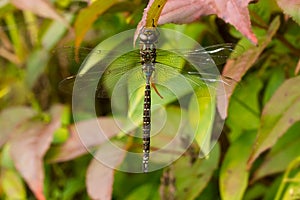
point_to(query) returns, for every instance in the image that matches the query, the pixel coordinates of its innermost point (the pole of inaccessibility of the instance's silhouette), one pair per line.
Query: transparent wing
(207, 56)
(206, 84)
(107, 68)
(217, 53)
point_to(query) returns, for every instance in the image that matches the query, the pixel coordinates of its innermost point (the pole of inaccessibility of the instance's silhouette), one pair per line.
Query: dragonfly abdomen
(146, 127)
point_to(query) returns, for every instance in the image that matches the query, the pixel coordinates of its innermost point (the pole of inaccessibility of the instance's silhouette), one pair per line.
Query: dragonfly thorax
(148, 39)
(148, 54)
(148, 57)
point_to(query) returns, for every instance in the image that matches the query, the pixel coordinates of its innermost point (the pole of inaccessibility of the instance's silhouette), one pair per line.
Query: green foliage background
(263, 113)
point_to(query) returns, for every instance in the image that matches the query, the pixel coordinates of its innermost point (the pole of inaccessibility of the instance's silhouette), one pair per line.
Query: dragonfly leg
(156, 90)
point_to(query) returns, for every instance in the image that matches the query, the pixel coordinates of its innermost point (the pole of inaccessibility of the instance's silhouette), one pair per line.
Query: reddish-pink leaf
(28, 147)
(234, 12)
(297, 70)
(189, 10)
(291, 8)
(10, 118)
(99, 178)
(84, 136)
(41, 8)
(235, 69)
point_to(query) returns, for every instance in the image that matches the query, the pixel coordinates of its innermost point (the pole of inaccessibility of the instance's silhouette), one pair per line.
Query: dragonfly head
(148, 35)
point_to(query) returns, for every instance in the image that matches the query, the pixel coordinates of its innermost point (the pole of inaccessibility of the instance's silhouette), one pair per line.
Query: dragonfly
(152, 65)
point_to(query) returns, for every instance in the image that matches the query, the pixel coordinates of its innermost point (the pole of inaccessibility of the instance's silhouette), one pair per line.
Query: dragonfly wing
(218, 53)
(106, 68)
(204, 57)
(179, 80)
(103, 73)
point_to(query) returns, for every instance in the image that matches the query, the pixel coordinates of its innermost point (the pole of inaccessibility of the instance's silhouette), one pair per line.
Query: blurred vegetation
(36, 115)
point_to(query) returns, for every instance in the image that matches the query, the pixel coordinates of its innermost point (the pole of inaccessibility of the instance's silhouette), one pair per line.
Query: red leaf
(84, 136)
(190, 11)
(41, 8)
(297, 70)
(234, 12)
(28, 147)
(99, 178)
(291, 8)
(10, 118)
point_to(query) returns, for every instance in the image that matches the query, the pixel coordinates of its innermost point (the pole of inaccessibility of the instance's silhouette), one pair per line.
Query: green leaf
(88, 16)
(37, 62)
(192, 178)
(278, 116)
(273, 188)
(153, 12)
(255, 192)
(150, 16)
(6, 160)
(264, 10)
(146, 190)
(210, 191)
(276, 79)
(202, 118)
(138, 181)
(15, 35)
(54, 33)
(284, 151)
(73, 186)
(234, 174)
(12, 185)
(244, 106)
(290, 184)
(60, 135)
